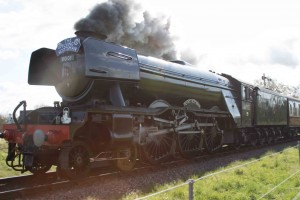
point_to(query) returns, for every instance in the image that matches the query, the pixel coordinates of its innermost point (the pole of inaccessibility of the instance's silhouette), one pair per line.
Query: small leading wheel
(158, 148)
(74, 161)
(190, 143)
(129, 155)
(213, 139)
(39, 168)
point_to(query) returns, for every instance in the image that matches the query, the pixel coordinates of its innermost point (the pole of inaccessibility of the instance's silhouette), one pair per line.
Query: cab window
(246, 93)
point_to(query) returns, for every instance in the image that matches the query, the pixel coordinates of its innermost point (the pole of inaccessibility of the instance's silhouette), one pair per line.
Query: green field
(251, 181)
(5, 171)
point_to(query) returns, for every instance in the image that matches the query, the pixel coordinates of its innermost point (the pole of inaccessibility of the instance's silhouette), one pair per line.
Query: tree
(2, 121)
(274, 85)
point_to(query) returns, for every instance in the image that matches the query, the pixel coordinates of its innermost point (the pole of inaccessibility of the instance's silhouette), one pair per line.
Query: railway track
(16, 186)
(30, 185)
(24, 186)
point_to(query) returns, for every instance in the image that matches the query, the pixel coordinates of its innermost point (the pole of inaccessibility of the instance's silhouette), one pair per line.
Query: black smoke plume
(126, 23)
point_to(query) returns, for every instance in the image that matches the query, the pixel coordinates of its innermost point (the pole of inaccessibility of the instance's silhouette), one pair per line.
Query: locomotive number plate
(68, 58)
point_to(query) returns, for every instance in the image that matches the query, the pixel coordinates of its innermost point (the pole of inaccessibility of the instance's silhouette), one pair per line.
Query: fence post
(191, 189)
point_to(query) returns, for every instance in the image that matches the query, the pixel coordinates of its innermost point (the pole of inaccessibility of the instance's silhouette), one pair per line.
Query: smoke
(126, 23)
(187, 55)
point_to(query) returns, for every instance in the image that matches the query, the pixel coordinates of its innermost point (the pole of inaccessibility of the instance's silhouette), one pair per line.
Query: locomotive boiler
(119, 107)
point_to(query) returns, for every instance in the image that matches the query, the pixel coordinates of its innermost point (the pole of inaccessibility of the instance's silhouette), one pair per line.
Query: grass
(248, 182)
(5, 171)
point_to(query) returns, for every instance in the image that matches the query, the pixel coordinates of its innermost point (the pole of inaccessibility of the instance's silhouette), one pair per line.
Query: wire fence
(191, 182)
(285, 180)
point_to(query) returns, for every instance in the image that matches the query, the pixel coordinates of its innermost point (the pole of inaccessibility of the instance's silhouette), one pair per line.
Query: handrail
(24, 115)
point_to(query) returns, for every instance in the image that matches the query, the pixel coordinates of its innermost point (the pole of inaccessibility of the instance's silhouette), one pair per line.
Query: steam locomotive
(119, 107)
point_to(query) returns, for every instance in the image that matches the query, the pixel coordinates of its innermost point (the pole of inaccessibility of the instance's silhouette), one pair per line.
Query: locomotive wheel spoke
(190, 144)
(159, 148)
(213, 139)
(74, 161)
(126, 164)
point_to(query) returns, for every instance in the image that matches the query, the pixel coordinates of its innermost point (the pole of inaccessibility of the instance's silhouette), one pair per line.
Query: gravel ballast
(118, 185)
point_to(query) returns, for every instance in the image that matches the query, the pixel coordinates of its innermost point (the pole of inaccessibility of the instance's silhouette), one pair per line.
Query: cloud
(286, 52)
(35, 22)
(283, 56)
(7, 54)
(34, 95)
(8, 6)
(277, 55)
(261, 51)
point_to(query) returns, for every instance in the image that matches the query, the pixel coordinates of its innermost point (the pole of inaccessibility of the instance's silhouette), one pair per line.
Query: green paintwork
(270, 108)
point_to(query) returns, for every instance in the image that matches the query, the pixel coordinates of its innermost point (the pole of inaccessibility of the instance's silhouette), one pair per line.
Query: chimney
(85, 34)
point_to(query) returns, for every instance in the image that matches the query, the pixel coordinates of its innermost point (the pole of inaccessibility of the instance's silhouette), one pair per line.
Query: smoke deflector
(43, 68)
(111, 61)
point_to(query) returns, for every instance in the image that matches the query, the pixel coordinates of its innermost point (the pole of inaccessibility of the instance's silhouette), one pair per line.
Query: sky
(242, 38)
